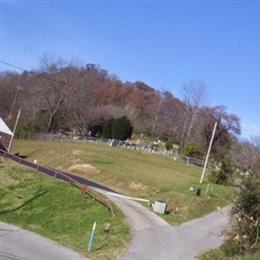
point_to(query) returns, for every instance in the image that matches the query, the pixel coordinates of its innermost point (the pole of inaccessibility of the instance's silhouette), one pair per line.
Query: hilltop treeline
(85, 97)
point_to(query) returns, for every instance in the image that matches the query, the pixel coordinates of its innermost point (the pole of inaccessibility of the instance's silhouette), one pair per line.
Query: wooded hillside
(68, 97)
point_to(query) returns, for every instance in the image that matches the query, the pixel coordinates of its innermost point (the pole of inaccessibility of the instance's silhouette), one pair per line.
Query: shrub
(96, 130)
(107, 129)
(26, 131)
(245, 215)
(38, 123)
(213, 176)
(224, 174)
(192, 150)
(119, 128)
(168, 145)
(122, 128)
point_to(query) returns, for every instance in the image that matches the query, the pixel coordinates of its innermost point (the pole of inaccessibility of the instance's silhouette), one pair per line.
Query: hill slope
(56, 210)
(133, 173)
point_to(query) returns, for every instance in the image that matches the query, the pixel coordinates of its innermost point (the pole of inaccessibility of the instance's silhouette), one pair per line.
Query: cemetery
(160, 178)
(132, 172)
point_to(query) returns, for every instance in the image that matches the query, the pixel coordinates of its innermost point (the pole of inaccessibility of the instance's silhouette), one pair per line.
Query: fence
(189, 161)
(82, 184)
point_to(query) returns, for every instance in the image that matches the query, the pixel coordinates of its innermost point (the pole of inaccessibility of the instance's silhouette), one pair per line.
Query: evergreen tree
(119, 128)
(107, 129)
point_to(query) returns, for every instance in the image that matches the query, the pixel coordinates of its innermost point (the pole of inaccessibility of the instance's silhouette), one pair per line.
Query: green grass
(134, 173)
(60, 212)
(218, 254)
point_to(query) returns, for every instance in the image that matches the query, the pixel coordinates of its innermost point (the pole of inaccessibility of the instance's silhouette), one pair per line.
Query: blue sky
(164, 44)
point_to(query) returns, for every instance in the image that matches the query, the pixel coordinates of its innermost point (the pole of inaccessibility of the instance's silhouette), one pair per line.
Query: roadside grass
(131, 172)
(59, 212)
(218, 254)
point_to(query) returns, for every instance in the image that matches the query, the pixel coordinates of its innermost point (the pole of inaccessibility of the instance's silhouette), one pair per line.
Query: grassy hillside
(131, 172)
(57, 210)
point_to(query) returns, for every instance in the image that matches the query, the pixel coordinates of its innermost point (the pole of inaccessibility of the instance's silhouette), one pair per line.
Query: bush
(119, 129)
(244, 235)
(168, 145)
(25, 132)
(27, 129)
(192, 150)
(213, 176)
(122, 128)
(224, 174)
(95, 130)
(107, 129)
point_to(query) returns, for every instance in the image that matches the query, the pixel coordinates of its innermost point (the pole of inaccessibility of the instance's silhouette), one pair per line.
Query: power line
(12, 65)
(37, 75)
(24, 69)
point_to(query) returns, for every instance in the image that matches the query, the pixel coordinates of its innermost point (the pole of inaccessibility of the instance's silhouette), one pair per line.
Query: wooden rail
(62, 176)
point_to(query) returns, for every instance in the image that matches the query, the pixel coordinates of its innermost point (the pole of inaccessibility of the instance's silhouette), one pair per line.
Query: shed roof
(4, 128)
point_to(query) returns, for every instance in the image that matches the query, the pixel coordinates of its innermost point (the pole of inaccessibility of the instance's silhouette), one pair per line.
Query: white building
(5, 135)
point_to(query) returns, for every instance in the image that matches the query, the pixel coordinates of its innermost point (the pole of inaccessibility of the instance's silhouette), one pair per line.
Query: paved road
(155, 239)
(152, 237)
(19, 244)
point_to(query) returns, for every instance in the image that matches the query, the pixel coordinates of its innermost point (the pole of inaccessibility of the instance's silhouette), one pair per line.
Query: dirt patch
(83, 167)
(7, 181)
(137, 186)
(64, 155)
(75, 161)
(76, 152)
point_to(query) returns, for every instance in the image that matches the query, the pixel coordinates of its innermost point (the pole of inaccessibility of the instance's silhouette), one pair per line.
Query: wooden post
(208, 153)
(15, 126)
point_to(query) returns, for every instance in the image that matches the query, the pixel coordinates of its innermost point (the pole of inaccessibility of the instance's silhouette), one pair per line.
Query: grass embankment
(131, 172)
(58, 211)
(218, 254)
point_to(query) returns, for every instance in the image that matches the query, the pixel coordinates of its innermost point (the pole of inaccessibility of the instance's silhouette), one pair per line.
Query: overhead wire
(30, 72)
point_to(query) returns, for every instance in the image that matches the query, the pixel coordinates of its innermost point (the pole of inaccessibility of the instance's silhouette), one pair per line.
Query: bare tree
(194, 95)
(255, 140)
(55, 90)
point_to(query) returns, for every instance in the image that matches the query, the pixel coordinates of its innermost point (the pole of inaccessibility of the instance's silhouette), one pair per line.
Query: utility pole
(15, 126)
(14, 101)
(208, 153)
